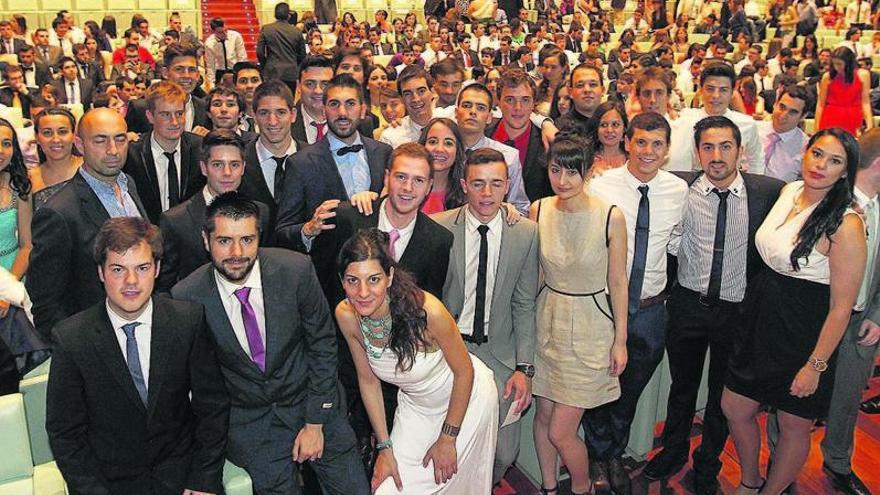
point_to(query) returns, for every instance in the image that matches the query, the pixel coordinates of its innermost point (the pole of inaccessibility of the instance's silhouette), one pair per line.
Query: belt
(651, 301)
(705, 301)
(472, 340)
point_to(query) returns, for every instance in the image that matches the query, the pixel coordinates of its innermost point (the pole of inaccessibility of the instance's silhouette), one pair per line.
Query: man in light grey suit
(855, 353)
(493, 272)
(276, 346)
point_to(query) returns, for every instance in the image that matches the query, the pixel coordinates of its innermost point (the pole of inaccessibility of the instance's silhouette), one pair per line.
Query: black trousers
(693, 329)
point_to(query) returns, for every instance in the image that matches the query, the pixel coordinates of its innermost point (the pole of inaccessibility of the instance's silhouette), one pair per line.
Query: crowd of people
(352, 264)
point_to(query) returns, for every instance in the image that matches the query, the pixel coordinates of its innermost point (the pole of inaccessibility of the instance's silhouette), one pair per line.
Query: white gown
(422, 403)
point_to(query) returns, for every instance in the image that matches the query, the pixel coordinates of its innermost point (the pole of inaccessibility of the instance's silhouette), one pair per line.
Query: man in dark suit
(136, 402)
(281, 48)
(575, 37)
(180, 65)
(71, 88)
(465, 56)
(16, 94)
(309, 124)
(516, 99)
(225, 109)
(221, 162)
(705, 307)
(9, 44)
(62, 279)
(504, 54)
(36, 73)
(375, 44)
(340, 165)
(89, 69)
(621, 63)
(165, 161)
(267, 158)
(46, 53)
(277, 350)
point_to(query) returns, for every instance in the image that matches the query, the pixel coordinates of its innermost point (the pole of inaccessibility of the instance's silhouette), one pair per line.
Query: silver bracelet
(450, 430)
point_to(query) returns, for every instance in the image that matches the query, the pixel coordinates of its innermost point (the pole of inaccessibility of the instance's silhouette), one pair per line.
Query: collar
(472, 222)
(634, 183)
(253, 280)
(737, 187)
(264, 154)
(483, 142)
(861, 197)
(121, 181)
(788, 135)
(158, 150)
(385, 222)
(336, 143)
(206, 193)
(117, 320)
(308, 119)
(501, 134)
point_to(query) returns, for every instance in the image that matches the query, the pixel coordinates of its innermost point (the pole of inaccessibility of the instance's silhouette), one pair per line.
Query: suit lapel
(254, 174)
(185, 161)
(326, 161)
(504, 259)
(91, 206)
(161, 339)
(458, 258)
(150, 167)
(377, 170)
(414, 249)
(219, 321)
(111, 355)
(273, 302)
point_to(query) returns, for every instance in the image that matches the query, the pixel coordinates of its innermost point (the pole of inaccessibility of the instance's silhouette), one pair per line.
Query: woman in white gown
(444, 430)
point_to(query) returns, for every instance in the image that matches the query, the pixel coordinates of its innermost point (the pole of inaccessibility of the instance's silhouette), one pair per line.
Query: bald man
(63, 279)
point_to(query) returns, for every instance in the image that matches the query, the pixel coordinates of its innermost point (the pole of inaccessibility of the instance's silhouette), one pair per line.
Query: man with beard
(277, 350)
(340, 165)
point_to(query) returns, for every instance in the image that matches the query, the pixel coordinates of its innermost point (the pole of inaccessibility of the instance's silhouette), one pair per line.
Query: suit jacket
(95, 76)
(298, 128)
(572, 45)
(280, 50)
(136, 115)
(253, 183)
(426, 256)
(103, 437)
(386, 48)
(300, 377)
(312, 178)
(498, 61)
(184, 249)
(534, 174)
(86, 91)
(615, 69)
(42, 74)
(17, 44)
(474, 56)
(512, 324)
(142, 168)
(54, 58)
(6, 94)
(62, 279)
(142, 69)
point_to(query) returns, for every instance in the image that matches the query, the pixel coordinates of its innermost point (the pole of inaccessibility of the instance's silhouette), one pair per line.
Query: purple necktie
(251, 328)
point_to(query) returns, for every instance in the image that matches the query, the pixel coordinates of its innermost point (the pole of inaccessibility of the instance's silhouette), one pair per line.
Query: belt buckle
(705, 301)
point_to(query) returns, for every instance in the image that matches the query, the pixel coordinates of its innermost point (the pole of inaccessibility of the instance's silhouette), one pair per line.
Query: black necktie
(640, 252)
(72, 98)
(85, 71)
(173, 183)
(45, 54)
(279, 174)
(355, 148)
(250, 124)
(479, 333)
(225, 56)
(714, 290)
(376, 49)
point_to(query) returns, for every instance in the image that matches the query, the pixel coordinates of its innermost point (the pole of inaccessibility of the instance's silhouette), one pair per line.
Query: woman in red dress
(844, 95)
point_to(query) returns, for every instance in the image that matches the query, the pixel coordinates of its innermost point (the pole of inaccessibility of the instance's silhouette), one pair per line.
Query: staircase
(239, 15)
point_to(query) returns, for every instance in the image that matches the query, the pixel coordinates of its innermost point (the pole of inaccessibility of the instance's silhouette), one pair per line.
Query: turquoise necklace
(376, 330)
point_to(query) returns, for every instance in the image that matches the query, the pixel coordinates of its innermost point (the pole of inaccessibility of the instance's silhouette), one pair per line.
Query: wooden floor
(866, 462)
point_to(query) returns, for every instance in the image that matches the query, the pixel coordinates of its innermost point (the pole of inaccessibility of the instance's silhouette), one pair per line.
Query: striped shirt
(697, 239)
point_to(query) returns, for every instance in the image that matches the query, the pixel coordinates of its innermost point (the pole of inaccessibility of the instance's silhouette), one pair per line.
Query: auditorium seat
(33, 389)
(18, 476)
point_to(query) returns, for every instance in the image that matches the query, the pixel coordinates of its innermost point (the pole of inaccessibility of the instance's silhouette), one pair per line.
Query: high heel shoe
(745, 489)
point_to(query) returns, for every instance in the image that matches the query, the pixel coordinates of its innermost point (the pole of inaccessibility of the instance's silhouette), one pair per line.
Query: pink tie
(772, 140)
(393, 236)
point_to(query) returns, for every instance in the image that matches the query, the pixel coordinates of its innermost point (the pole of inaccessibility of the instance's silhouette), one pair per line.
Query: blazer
(54, 58)
(426, 256)
(534, 173)
(136, 115)
(86, 91)
(253, 183)
(280, 50)
(141, 167)
(512, 324)
(312, 178)
(298, 128)
(615, 69)
(386, 48)
(761, 194)
(300, 377)
(184, 248)
(42, 73)
(498, 61)
(62, 279)
(103, 437)
(96, 73)
(17, 44)
(6, 95)
(474, 56)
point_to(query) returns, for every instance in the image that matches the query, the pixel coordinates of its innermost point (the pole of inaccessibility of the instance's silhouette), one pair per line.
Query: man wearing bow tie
(36, 73)
(337, 166)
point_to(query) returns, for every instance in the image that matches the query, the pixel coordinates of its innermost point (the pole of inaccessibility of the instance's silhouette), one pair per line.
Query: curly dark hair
(454, 193)
(828, 215)
(18, 175)
(409, 321)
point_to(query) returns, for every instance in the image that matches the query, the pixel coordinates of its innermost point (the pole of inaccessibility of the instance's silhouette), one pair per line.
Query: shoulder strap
(538, 217)
(608, 224)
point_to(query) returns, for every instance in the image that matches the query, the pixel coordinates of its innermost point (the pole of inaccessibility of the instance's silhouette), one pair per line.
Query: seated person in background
(132, 37)
(131, 66)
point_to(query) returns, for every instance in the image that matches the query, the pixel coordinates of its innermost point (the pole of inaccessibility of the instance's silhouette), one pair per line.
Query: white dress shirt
(232, 306)
(517, 193)
(681, 154)
(406, 132)
(667, 195)
(405, 232)
(856, 14)
(74, 95)
(871, 216)
(472, 264)
(142, 334)
(312, 131)
(161, 163)
(190, 113)
(858, 49)
(268, 163)
(786, 155)
(214, 53)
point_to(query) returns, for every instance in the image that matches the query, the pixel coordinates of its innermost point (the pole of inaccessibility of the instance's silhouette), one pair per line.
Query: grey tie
(134, 360)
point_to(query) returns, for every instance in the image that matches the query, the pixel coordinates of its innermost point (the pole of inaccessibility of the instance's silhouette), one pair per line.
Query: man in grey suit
(855, 353)
(276, 345)
(281, 48)
(493, 271)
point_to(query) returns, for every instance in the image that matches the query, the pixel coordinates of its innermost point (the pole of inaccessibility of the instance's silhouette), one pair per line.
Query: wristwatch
(526, 369)
(817, 364)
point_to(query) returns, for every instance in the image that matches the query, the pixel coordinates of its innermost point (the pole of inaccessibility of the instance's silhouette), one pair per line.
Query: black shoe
(599, 476)
(619, 478)
(847, 483)
(664, 465)
(871, 406)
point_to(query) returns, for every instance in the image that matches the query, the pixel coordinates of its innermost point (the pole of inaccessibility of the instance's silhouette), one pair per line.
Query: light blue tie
(134, 360)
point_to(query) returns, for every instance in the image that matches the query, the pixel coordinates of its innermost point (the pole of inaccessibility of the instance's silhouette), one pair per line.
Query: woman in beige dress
(581, 347)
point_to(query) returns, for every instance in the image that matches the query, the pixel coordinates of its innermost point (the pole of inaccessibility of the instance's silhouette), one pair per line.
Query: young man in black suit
(16, 93)
(338, 166)
(277, 349)
(374, 35)
(71, 88)
(136, 402)
(309, 123)
(165, 161)
(281, 48)
(221, 160)
(36, 73)
(88, 68)
(62, 279)
(705, 305)
(9, 44)
(179, 65)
